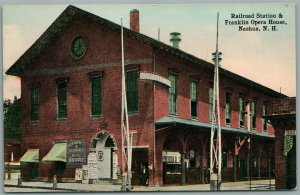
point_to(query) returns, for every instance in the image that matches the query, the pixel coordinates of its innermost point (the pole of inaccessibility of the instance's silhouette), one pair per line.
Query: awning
(31, 156)
(207, 126)
(58, 152)
(289, 136)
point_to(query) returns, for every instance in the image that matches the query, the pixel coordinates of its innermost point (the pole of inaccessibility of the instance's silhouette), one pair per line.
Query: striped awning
(290, 132)
(288, 141)
(31, 156)
(58, 152)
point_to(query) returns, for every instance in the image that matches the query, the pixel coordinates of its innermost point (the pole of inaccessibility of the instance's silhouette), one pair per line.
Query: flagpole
(125, 134)
(215, 144)
(122, 113)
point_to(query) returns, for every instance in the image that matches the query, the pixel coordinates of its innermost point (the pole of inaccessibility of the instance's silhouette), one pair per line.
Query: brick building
(283, 119)
(71, 90)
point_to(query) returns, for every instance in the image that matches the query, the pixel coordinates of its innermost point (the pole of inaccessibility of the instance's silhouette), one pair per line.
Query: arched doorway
(106, 149)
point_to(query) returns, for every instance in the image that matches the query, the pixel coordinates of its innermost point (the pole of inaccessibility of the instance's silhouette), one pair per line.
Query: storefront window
(60, 168)
(173, 168)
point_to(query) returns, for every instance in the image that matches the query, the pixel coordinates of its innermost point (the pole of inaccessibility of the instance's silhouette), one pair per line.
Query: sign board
(78, 174)
(93, 165)
(287, 105)
(171, 157)
(100, 155)
(114, 165)
(76, 153)
(85, 174)
(155, 77)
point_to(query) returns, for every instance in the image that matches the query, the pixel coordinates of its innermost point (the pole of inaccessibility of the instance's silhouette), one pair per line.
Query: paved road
(10, 186)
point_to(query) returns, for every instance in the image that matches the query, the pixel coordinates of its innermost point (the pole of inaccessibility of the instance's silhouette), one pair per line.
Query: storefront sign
(76, 153)
(92, 165)
(171, 157)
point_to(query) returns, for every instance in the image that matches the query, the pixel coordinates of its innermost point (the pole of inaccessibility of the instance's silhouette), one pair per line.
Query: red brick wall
(104, 47)
(12, 147)
(280, 163)
(165, 61)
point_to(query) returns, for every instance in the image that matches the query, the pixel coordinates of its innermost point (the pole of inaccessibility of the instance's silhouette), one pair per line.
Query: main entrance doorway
(106, 150)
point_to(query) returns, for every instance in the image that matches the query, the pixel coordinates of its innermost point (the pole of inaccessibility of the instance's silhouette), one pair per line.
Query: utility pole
(125, 134)
(215, 136)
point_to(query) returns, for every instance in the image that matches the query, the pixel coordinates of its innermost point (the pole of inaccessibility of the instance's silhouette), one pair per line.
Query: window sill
(194, 118)
(133, 113)
(96, 116)
(62, 119)
(34, 122)
(173, 115)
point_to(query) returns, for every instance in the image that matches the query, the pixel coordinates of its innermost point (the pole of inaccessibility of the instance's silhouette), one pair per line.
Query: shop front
(172, 171)
(29, 162)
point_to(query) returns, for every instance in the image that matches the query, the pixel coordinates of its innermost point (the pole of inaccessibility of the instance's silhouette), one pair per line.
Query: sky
(266, 57)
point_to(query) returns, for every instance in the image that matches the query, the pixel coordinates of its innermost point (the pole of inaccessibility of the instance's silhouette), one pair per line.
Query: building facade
(71, 94)
(283, 119)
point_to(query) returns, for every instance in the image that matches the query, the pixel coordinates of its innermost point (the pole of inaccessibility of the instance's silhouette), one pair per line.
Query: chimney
(134, 20)
(175, 39)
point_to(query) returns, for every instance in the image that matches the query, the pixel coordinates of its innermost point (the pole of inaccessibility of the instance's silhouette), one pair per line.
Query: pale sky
(266, 57)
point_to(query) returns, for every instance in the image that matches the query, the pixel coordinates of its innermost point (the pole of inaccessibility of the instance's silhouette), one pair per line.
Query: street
(11, 186)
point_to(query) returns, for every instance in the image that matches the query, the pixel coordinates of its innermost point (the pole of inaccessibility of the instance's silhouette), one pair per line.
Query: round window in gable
(78, 47)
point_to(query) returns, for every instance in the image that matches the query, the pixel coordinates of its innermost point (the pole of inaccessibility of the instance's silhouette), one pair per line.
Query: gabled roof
(71, 12)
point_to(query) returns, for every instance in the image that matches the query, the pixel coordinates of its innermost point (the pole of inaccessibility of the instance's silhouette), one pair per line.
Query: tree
(12, 118)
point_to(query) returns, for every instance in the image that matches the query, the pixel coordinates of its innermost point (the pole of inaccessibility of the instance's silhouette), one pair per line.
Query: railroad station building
(71, 94)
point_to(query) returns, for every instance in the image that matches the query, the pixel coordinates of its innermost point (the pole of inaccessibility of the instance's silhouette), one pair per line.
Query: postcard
(149, 97)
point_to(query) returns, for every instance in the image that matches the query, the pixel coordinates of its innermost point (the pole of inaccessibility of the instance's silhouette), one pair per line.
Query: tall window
(34, 104)
(242, 111)
(132, 91)
(96, 95)
(62, 99)
(228, 108)
(253, 113)
(265, 123)
(211, 96)
(193, 96)
(173, 94)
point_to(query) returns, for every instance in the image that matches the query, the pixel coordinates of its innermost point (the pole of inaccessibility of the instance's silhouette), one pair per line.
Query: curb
(45, 188)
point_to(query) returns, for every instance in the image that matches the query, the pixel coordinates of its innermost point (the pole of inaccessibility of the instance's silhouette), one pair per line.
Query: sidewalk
(100, 187)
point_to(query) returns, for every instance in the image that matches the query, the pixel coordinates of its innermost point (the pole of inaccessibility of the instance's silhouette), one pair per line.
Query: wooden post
(202, 173)
(183, 169)
(234, 167)
(8, 172)
(248, 167)
(258, 167)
